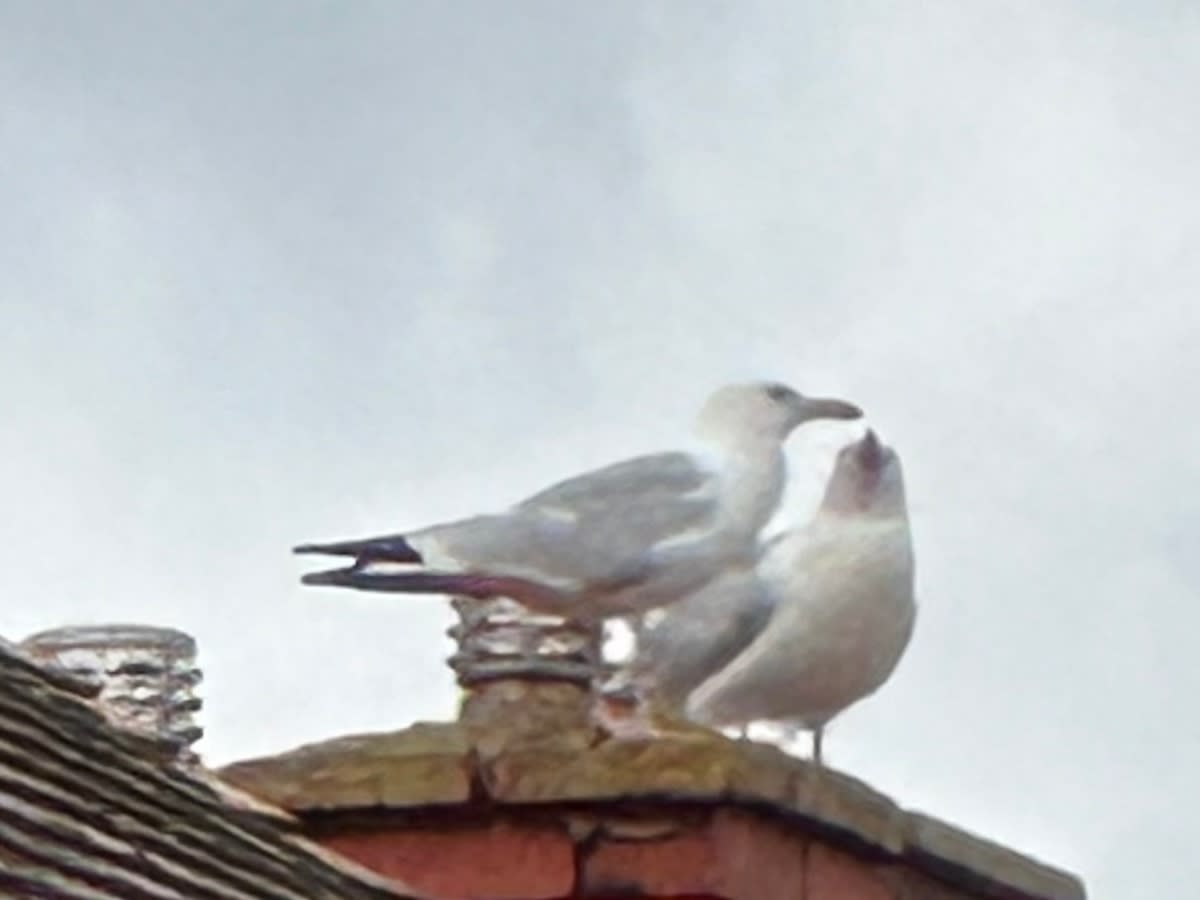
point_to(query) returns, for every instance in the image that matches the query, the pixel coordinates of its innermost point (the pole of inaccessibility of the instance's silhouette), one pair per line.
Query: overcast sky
(283, 271)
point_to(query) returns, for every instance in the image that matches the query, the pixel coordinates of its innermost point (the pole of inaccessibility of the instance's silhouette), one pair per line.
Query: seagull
(843, 610)
(615, 541)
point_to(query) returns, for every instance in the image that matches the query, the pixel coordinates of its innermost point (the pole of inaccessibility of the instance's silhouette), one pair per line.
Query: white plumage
(842, 606)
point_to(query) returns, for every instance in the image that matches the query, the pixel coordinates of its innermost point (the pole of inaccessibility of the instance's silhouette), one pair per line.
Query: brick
(833, 875)
(737, 856)
(760, 858)
(491, 862)
(679, 865)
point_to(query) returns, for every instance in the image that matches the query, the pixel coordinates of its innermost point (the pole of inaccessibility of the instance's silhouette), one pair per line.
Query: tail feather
(392, 548)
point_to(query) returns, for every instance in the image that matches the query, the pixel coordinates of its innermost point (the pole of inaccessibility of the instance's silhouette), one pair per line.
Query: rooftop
(689, 812)
(544, 788)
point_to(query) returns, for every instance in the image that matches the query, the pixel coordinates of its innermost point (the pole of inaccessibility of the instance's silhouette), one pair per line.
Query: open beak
(870, 450)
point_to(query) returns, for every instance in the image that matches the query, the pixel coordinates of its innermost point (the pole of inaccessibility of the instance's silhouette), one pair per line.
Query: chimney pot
(499, 640)
(147, 675)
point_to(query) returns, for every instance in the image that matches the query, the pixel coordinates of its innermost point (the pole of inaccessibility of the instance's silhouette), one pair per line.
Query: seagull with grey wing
(615, 541)
(841, 611)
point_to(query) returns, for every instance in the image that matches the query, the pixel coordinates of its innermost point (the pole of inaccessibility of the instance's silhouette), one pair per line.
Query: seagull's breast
(853, 615)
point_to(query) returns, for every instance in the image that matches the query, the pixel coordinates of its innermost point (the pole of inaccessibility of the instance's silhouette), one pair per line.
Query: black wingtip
(394, 583)
(394, 548)
(328, 578)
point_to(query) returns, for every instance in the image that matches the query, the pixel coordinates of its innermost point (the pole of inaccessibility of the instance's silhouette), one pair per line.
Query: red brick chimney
(530, 796)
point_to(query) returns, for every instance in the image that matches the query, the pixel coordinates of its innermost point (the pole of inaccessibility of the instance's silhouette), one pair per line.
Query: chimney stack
(147, 675)
(511, 660)
(500, 639)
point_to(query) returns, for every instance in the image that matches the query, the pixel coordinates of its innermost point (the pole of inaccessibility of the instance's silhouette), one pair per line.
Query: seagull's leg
(817, 766)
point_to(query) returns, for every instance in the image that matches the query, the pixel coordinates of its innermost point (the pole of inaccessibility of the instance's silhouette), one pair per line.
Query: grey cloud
(304, 270)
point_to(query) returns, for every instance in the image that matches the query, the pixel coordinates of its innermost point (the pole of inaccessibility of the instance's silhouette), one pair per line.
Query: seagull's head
(867, 480)
(765, 410)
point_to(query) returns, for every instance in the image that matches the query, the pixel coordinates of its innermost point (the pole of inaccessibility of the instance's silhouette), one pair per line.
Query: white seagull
(615, 541)
(843, 610)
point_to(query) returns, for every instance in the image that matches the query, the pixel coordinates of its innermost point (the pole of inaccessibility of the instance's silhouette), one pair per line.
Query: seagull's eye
(780, 393)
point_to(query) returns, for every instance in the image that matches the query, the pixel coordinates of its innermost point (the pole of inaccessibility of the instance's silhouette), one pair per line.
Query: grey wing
(747, 687)
(761, 677)
(598, 527)
(671, 474)
(699, 635)
(733, 695)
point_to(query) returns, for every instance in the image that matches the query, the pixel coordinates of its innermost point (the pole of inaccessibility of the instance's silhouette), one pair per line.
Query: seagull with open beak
(842, 607)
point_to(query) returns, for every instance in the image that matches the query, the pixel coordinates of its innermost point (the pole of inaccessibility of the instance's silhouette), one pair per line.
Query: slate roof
(91, 811)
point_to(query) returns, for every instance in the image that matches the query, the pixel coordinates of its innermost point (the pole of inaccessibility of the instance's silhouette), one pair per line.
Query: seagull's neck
(739, 443)
(753, 470)
(850, 537)
(853, 505)
(741, 453)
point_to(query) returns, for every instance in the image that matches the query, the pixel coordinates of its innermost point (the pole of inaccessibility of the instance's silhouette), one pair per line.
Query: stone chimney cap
(145, 675)
(107, 635)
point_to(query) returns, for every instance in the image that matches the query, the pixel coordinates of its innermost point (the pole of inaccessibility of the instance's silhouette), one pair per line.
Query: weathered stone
(427, 764)
(501, 717)
(674, 766)
(841, 802)
(536, 745)
(986, 866)
(761, 773)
